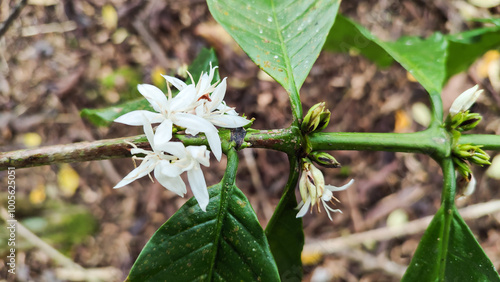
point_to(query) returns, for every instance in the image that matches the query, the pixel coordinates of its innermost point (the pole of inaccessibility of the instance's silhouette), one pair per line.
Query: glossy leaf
(284, 231)
(283, 38)
(225, 243)
(464, 259)
(431, 61)
(348, 37)
(105, 116)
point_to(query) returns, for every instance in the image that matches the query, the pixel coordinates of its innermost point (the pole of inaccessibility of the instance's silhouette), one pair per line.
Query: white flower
(190, 161)
(160, 161)
(198, 108)
(469, 188)
(313, 190)
(214, 109)
(174, 110)
(465, 100)
(168, 161)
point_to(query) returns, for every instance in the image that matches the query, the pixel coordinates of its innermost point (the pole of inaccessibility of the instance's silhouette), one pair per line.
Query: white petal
(137, 117)
(163, 134)
(199, 187)
(183, 102)
(218, 95)
(304, 208)
(215, 144)
(200, 154)
(341, 188)
(228, 121)
(174, 148)
(155, 96)
(198, 124)
(174, 184)
(148, 130)
(146, 167)
(463, 102)
(177, 83)
(168, 169)
(203, 84)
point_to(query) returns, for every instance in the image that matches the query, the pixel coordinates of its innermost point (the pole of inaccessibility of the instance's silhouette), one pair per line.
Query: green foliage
(105, 116)
(124, 80)
(463, 257)
(56, 223)
(431, 61)
(225, 243)
(284, 231)
(284, 38)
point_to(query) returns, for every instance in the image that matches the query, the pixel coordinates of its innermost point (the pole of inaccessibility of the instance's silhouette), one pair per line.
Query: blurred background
(59, 57)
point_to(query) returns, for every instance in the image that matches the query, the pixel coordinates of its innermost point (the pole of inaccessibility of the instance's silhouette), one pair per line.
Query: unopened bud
(480, 160)
(465, 100)
(316, 119)
(470, 121)
(324, 159)
(463, 168)
(312, 182)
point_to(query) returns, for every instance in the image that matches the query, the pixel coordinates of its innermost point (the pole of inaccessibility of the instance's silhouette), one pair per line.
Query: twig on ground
(336, 245)
(40, 244)
(257, 183)
(15, 13)
(370, 262)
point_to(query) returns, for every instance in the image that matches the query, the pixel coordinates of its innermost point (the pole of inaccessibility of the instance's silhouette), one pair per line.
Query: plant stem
(432, 142)
(425, 142)
(447, 204)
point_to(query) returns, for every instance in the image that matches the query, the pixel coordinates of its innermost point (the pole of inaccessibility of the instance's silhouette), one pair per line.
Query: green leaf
(105, 116)
(283, 38)
(225, 243)
(431, 61)
(284, 231)
(464, 259)
(348, 37)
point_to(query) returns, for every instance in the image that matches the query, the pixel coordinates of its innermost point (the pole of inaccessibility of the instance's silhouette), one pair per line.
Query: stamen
(311, 179)
(205, 96)
(169, 91)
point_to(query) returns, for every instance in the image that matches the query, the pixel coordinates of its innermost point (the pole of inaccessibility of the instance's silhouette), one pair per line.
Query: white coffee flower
(169, 160)
(313, 190)
(190, 162)
(215, 110)
(465, 100)
(160, 161)
(173, 110)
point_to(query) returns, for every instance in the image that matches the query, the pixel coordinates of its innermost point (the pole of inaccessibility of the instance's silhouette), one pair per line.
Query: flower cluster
(461, 119)
(313, 190)
(196, 108)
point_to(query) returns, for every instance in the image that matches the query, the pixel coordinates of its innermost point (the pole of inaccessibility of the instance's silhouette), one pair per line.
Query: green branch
(433, 142)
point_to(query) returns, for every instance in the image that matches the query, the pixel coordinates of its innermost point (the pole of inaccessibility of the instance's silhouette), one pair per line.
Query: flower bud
(312, 182)
(462, 167)
(324, 159)
(480, 160)
(470, 121)
(316, 119)
(465, 100)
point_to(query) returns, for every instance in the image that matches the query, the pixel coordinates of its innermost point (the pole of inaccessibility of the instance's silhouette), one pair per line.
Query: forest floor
(60, 57)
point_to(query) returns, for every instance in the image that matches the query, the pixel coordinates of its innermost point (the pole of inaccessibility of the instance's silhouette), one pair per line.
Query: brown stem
(75, 152)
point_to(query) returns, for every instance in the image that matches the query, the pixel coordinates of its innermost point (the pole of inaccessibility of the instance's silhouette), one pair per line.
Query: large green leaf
(284, 231)
(348, 37)
(464, 259)
(105, 116)
(283, 37)
(225, 243)
(431, 61)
